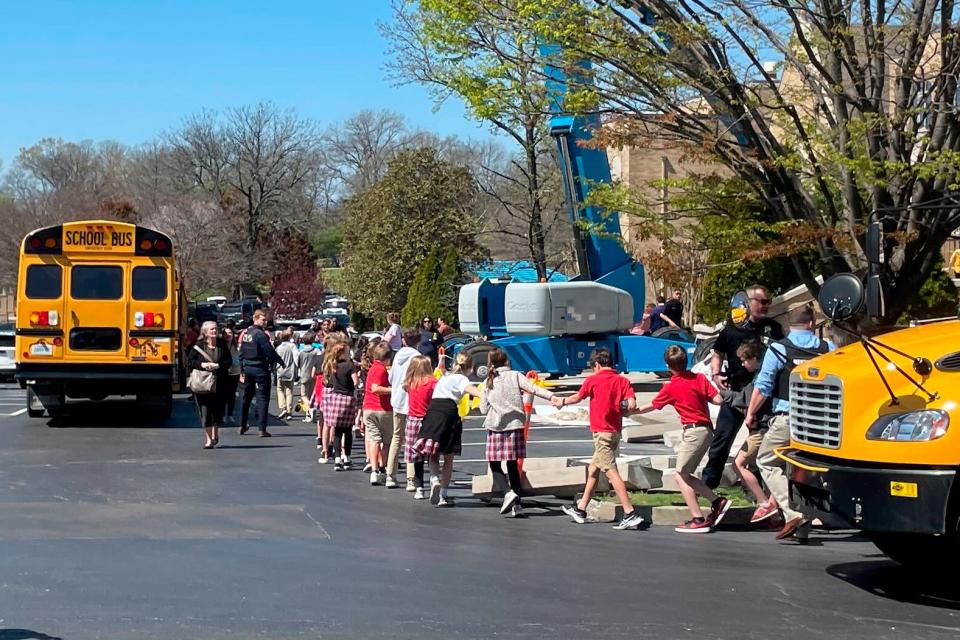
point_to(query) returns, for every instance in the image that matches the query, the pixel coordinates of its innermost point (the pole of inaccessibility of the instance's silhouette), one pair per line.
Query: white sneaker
(434, 490)
(516, 511)
(390, 483)
(367, 468)
(418, 494)
(444, 502)
(509, 501)
(374, 479)
(411, 486)
(323, 459)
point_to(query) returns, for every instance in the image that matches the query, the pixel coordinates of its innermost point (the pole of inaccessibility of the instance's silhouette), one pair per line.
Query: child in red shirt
(608, 392)
(419, 385)
(689, 393)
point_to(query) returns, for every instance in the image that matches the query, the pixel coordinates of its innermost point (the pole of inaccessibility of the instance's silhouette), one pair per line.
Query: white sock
(434, 479)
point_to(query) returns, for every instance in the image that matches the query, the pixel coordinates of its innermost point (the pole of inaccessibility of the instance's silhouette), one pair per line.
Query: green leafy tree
(452, 272)
(422, 203)
(472, 50)
(855, 121)
(327, 243)
(422, 297)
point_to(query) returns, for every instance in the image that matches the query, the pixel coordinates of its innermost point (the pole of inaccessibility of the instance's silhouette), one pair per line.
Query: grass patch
(659, 499)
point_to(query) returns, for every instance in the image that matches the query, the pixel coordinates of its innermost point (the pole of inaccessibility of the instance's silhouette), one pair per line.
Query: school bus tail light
(147, 319)
(44, 241)
(44, 318)
(152, 243)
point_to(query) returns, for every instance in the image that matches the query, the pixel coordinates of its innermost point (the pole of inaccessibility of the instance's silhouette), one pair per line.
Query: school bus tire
(923, 552)
(34, 408)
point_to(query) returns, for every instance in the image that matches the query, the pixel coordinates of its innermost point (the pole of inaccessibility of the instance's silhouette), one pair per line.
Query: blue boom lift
(553, 327)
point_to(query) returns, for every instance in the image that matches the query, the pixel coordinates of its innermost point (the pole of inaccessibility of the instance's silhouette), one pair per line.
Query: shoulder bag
(201, 381)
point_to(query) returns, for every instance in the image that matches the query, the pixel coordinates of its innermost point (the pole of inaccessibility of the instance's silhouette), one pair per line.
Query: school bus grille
(816, 412)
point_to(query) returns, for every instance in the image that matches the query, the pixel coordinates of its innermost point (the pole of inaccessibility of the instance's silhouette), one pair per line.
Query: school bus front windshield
(99, 305)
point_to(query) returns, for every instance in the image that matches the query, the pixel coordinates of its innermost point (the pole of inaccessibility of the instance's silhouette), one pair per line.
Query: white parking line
(17, 413)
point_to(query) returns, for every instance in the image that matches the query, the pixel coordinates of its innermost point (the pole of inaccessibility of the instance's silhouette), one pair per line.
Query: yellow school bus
(100, 312)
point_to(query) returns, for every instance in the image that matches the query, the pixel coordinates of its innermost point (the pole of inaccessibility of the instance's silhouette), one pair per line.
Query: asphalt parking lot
(118, 527)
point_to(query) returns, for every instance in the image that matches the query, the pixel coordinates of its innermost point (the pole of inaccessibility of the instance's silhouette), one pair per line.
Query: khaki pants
(285, 395)
(396, 445)
(605, 448)
(772, 468)
(378, 427)
(306, 392)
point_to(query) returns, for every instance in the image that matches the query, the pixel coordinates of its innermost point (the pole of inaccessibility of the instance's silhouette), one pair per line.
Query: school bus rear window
(44, 281)
(149, 283)
(96, 282)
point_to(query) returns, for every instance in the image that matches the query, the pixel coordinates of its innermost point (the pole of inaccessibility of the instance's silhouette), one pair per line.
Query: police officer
(257, 356)
(774, 381)
(756, 327)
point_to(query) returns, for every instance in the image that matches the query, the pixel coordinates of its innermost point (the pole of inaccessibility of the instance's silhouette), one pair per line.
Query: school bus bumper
(871, 497)
(119, 375)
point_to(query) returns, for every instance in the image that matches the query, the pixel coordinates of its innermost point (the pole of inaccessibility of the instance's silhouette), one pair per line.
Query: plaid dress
(339, 409)
(441, 430)
(411, 432)
(506, 445)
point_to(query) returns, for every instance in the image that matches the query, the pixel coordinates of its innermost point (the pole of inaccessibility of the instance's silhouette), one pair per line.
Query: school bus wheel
(920, 551)
(34, 408)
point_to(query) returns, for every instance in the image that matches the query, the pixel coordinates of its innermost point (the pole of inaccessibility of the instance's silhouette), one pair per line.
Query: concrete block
(484, 486)
(559, 462)
(668, 482)
(646, 432)
(611, 511)
(670, 516)
(677, 515)
(662, 462)
(562, 483)
(639, 476)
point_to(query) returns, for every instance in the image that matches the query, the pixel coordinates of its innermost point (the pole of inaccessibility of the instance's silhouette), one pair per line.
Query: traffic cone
(527, 412)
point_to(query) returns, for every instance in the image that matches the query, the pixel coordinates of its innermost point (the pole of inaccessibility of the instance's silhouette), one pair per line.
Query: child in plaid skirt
(503, 405)
(339, 405)
(419, 384)
(441, 431)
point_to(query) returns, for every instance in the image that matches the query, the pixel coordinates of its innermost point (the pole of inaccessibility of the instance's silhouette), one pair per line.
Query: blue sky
(125, 71)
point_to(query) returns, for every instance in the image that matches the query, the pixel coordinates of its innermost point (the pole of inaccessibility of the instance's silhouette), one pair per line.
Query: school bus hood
(865, 397)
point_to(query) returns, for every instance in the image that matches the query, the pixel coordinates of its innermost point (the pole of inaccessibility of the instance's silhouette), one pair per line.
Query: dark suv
(239, 313)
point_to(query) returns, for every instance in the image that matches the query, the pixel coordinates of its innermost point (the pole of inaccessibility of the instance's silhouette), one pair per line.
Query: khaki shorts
(694, 445)
(752, 445)
(378, 425)
(605, 447)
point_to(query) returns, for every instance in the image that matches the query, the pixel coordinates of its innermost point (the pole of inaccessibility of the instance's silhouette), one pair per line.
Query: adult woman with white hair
(211, 353)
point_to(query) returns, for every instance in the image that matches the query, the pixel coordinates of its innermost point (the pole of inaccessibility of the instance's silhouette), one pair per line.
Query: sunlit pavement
(117, 528)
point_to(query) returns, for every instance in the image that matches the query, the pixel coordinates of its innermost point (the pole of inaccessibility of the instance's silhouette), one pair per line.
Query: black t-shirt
(343, 378)
(732, 336)
(673, 309)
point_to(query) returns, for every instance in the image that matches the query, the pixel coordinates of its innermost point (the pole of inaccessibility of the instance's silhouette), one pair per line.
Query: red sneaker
(694, 526)
(718, 509)
(763, 512)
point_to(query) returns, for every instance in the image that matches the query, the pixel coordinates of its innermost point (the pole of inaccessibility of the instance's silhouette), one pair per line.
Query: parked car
(240, 313)
(204, 311)
(7, 351)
